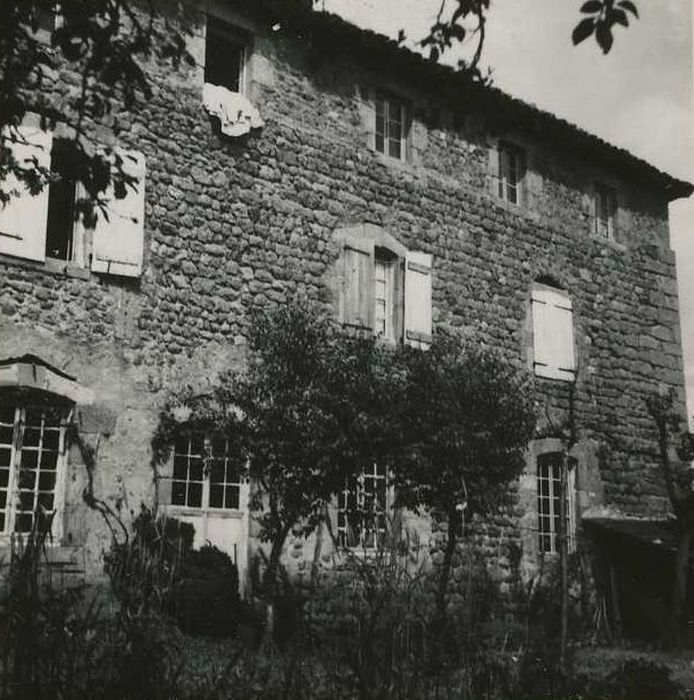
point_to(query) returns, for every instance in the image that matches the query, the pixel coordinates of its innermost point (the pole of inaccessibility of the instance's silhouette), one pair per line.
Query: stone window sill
(51, 266)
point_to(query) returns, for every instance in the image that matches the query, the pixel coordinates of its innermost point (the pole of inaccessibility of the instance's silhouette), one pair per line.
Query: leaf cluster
(603, 15)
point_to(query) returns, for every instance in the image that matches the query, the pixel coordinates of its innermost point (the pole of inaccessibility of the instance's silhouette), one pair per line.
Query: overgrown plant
(676, 452)
(466, 417)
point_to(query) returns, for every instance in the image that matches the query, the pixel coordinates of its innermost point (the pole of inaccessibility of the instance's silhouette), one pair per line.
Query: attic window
(225, 56)
(391, 127)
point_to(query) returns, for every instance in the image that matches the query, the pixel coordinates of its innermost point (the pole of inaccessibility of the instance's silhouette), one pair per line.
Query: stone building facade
(438, 202)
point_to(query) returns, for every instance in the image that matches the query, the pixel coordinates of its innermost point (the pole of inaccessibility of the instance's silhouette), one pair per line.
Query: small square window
(225, 56)
(511, 172)
(605, 211)
(391, 127)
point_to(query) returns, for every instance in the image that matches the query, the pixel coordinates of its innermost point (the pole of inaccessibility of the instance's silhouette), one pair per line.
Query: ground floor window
(204, 473)
(32, 461)
(549, 507)
(362, 509)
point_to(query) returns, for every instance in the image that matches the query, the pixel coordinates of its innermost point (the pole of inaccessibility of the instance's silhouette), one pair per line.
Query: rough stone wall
(235, 224)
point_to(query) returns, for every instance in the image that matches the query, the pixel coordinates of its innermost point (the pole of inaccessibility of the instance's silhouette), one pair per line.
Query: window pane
(27, 478)
(231, 499)
(51, 439)
(23, 522)
(30, 459)
(195, 495)
(180, 470)
(49, 461)
(46, 501)
(4, 478)
(216, 496)
(61, 214)
(46, 480)
(32, 436)
(6, 434)
(5, 456)
(195, 469)
(7, 414)
(178, 493)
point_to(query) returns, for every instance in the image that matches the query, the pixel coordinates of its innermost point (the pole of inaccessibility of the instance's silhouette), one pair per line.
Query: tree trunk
(446, 567)
(679, 589)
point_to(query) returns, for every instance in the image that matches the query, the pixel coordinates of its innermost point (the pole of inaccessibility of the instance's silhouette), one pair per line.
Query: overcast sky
(640, 96)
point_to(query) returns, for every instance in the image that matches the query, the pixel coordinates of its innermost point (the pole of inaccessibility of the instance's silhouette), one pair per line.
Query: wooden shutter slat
(23, 219)
(118, 243)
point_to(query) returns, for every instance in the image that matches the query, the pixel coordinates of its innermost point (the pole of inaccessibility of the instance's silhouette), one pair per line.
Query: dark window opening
(61, 214)
(224, 56)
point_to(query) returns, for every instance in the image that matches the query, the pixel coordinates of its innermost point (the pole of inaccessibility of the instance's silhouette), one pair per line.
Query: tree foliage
(106, 43)
(467, 417)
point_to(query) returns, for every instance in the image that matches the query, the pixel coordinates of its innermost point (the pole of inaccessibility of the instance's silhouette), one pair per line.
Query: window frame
(357, 493)
(390, 100)
(409, 315)
(553, 481)
(506, 151)
(206, 483)
(605, 202)
(227, 31)
(11, 507)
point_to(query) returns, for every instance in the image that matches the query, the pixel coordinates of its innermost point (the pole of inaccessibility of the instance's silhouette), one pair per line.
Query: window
(60, 224)
(225, 56)
(385, 270)
(42, 225)
(362, 509)
(553, 336)
(204, 474)
(511, 172)
(384, 288)
(392, 126)
(32, 460)
(605, 211)
(549, 509)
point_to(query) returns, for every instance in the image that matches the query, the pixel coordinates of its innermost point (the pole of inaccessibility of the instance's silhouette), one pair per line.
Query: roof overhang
(29, 372)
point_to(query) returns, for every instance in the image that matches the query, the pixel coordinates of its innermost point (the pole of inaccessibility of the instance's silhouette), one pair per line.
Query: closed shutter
(553, 337)
(23, 219)
(357, 289)
(118, 242)
(418, 299)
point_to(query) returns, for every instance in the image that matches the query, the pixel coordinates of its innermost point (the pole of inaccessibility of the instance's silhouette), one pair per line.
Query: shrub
(205, 599)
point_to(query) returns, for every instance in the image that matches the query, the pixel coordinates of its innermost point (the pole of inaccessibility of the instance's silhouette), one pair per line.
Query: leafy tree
(678, 476)
(467, 416)
(106, 43)
(307, 411)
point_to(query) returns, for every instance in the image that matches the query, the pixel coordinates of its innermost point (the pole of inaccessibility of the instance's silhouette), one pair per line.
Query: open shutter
(357, 289)
(118, 242)
(23, 219)
(553, 334)
(418, 299)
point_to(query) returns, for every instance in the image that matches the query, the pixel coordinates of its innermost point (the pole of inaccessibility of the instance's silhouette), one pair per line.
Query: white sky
(639, 97)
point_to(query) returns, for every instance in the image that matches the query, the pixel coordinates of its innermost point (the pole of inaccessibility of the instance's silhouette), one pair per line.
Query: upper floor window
(392, 126)
(511, 172)
(385, 289)
(550, 509)
(225, 56)
(553, 335)
(204, 475)
(43, 225)
(32, 463)
(362, 509)
(605, 211)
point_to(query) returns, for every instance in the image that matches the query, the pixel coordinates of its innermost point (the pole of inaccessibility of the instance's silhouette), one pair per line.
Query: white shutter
(23, 219)
(553, 337)
(418, 299)
(118, 242)
(357, 304)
